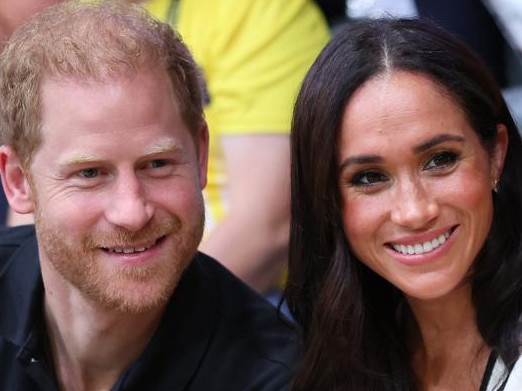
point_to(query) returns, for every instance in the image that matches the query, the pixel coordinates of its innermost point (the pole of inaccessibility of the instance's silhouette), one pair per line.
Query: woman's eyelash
(442, 160)
(368, 178)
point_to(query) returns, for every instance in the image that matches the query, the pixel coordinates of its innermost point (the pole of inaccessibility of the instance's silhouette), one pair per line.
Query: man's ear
(15, 182)
(202, 144)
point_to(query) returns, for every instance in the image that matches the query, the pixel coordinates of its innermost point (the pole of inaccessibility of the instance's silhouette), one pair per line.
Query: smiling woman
(434, 181)
(406, 208)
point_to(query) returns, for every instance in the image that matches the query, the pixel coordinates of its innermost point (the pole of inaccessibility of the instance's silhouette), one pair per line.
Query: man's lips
(131, 248)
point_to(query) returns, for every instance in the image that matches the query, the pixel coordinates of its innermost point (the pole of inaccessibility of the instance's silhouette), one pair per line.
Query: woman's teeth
(421, 248)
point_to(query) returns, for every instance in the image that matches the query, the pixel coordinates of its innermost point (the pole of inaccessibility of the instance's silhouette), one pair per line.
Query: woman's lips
(422, 247)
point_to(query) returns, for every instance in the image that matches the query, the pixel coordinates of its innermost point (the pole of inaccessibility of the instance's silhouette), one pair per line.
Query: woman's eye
(368, 178)
(89, 173)
(441, 160)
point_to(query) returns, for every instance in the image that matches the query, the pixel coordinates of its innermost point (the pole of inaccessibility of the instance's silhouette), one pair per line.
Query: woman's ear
(15, 181)
(499, 154)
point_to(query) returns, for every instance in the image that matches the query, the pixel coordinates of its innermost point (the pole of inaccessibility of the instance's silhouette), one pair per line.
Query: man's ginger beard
(127, 289)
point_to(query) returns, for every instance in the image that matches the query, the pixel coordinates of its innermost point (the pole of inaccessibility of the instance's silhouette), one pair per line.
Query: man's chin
(133, 298)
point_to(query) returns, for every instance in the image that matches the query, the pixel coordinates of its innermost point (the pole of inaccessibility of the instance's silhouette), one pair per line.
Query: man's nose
(129, 207)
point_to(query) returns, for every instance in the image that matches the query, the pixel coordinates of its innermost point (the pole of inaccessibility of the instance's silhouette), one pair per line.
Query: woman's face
(416, 184)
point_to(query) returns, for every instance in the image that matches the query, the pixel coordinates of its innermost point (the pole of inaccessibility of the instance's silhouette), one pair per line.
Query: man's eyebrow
(437, 140)
(82, 158)
(425, 145)
(79, 158)
(162, 147)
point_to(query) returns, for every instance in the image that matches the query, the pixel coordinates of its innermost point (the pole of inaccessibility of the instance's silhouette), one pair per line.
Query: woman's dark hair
(349, 315)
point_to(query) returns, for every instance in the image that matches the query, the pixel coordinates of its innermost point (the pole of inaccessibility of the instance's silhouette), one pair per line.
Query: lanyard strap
(172, 15)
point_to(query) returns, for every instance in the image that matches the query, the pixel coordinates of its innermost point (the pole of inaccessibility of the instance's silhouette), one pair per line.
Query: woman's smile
(421, 247)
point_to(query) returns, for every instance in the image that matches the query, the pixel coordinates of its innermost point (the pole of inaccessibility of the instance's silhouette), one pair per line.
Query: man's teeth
(132, 250)
(421, 248)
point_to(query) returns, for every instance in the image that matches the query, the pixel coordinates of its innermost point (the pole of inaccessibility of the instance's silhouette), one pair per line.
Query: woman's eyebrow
(360, 159)
(441, 138)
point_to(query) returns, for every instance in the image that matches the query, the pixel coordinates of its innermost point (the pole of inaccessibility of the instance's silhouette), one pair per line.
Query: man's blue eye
(89, 173)
(158, 163)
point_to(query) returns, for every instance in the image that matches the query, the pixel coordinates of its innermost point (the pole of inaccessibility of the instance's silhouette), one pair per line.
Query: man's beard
(131, 289)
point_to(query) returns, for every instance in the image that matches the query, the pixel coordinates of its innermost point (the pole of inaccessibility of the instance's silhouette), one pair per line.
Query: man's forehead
(154, 84)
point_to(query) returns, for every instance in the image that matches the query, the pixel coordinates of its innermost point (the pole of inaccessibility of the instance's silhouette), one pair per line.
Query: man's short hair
(87, 42)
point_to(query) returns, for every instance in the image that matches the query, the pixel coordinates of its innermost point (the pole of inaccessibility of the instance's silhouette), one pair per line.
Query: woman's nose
(413, 206)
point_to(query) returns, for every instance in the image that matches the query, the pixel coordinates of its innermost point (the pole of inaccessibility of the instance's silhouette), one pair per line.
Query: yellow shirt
(254, 55)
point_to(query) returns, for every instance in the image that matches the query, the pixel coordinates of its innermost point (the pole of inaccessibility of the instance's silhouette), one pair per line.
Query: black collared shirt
(216, 333)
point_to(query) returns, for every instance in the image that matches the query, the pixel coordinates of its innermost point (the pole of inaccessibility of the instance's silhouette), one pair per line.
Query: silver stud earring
(495, 186)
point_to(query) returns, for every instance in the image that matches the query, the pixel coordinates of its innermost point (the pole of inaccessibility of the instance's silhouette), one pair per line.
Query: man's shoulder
(15, 236)
(12, 238)
(237, 302)
(250, 335)
(238, 296)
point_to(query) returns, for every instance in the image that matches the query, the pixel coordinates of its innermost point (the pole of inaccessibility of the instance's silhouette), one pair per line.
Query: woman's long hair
(349, 315)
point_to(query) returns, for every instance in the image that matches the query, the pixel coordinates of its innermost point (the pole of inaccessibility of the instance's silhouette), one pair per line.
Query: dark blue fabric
(3, 207)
